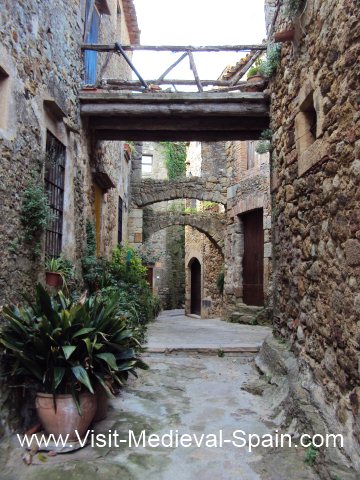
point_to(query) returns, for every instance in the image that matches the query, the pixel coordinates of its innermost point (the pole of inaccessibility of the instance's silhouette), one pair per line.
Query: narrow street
(192, 393)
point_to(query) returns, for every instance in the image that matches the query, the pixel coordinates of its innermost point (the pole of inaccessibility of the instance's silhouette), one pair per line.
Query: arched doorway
(195, 300)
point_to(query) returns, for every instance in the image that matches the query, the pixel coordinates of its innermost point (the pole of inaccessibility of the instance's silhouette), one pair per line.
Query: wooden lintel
(99, 97)
(174, 48)
(210, 123)
(176, 135)
(247, 109)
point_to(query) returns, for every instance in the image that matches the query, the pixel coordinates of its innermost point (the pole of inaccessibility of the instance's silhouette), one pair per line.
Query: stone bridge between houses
(149, 191)
(213, 225)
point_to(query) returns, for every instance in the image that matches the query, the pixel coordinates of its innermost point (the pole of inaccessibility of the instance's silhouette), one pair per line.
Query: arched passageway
(195, 300)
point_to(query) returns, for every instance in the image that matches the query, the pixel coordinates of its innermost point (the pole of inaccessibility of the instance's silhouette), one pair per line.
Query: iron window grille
(54, 185)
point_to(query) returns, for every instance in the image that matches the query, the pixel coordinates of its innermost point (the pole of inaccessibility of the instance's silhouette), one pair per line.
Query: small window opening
(306, 124)
(4, 98)
(146, 163)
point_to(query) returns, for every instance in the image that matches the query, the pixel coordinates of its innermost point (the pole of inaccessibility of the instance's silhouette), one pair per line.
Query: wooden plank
(162, 97)
(173, 48)
(168, 70)
(124, 109)
(195, 72)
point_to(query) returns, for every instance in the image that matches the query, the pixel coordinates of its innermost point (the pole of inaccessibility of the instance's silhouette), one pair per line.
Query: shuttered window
(90, 57)
(54, 184)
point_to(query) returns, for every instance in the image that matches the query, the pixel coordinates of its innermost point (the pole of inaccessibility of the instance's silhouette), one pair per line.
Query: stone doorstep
(231, 351)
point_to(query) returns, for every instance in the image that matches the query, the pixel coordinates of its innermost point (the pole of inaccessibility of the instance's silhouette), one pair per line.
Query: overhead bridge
(175, 116)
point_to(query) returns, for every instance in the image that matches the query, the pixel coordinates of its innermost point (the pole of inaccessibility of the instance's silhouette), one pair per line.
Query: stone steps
(247, 314)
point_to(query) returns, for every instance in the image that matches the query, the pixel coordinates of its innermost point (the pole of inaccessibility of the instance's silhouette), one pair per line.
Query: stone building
(248, 252)
(315, 174)
(44, 141)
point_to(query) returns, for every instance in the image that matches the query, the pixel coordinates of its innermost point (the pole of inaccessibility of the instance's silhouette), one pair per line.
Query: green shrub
(59, 346)
(175, 159)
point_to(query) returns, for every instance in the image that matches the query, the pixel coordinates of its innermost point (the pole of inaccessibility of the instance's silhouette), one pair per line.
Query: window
(4, 98)
(306, 124)
(54, 185)
(90, 57)
(146, 163)
(120, 220)
(250, 154)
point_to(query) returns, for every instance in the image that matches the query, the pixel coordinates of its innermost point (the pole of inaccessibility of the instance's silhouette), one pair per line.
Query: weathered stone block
(352, 252)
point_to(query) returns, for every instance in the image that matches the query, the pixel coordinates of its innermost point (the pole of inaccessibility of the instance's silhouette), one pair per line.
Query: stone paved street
(189, 392)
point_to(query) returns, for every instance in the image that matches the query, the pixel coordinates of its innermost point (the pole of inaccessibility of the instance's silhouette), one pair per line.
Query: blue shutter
(90, 57)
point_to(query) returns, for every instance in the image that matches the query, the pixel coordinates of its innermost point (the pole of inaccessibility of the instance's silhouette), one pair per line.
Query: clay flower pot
(53, 279)
(284, 36)
(66, 419)
(102, 402)
(254, 79)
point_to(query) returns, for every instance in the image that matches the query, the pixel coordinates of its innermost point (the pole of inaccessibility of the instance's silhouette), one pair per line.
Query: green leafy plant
(220, 281)
(175, 159)
(269, 66)
(256, 68)
(62, 266)
(60, 346)
(35, 215)
(311, 454)
(264, 143)
(221, 353)
(294, 8)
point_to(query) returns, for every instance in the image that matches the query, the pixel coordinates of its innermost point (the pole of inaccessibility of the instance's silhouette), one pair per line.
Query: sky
(196, 22)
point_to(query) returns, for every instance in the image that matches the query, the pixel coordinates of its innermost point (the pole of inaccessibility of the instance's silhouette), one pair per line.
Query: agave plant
(63, 347)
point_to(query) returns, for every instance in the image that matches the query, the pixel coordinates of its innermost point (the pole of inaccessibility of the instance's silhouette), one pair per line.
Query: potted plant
(57, 271)
(65, 349)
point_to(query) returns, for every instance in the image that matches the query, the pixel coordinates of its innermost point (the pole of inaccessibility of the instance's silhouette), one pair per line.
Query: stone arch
(149, 191)
(213, 226)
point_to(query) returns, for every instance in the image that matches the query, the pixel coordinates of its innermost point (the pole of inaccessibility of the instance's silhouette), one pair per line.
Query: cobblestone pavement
(188, 393)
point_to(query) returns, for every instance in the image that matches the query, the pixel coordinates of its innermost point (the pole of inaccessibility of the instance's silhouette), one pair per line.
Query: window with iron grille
(120, 220)
(54, 184)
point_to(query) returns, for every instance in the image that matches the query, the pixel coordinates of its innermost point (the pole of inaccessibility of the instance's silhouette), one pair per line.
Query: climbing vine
(175, 159)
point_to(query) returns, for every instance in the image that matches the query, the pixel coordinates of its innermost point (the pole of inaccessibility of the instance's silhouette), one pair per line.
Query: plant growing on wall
(175, 159)
(269, 66)
(264, 143)
(35, 214)
(294, 8)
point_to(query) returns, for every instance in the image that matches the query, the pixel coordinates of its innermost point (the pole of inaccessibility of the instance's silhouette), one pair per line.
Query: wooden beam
(126, 109)
(175, 135)
(195, 72)
(160, 81)
(173, 65)
(213, 123)
(173, 48)
(163, 97)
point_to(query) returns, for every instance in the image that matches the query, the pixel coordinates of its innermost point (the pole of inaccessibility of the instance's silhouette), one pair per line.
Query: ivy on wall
(175, 159)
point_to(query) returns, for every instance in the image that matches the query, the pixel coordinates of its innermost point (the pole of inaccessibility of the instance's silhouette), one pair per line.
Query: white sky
(196, 22)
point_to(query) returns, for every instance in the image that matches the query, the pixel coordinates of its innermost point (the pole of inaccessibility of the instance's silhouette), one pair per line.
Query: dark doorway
(253, 259)
(195, 305)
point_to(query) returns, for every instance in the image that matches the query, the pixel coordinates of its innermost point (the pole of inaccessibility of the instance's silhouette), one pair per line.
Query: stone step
(238, 317)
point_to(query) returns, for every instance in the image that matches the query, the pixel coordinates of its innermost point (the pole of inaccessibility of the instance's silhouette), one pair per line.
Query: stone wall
(41, 73)
(316, 203)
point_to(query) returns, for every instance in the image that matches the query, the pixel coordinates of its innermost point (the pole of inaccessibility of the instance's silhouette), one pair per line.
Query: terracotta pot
(254, 79)
(53, 279)
(102, 402)
(66, 419)
(284, 36)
